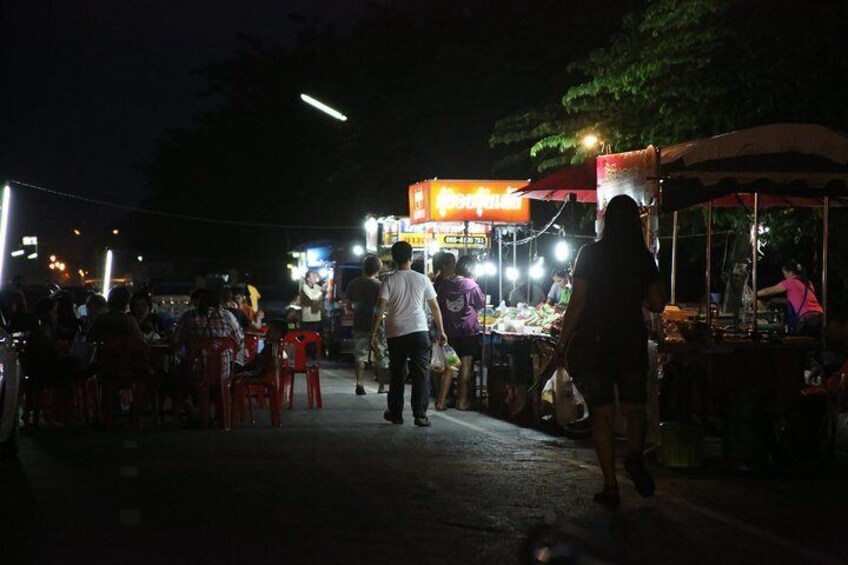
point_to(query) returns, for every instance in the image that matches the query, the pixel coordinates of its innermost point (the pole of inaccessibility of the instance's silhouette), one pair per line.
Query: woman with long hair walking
(604, 339)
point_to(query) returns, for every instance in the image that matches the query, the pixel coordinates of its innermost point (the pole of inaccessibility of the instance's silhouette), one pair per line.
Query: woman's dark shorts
(599, 388)
(465, 346)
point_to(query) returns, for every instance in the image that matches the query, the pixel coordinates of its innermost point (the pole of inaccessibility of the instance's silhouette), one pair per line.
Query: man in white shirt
(402, 298)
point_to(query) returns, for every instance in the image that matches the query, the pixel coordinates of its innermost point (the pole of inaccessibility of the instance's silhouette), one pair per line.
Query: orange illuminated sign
(468, 201)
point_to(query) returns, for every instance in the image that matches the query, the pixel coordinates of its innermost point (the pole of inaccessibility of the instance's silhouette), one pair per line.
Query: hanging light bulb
(562, 251)
(511, 274)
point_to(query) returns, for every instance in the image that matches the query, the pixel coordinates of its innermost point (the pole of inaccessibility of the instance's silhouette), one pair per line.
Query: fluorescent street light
(32, 256)
(323, 107)
(511, 274)
(562, 252)
(107, 273)
(18, 253)
(4, 227)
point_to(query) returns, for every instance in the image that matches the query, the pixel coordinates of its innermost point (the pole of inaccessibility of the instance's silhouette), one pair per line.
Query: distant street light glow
(323, 107)
(18, 253)
(358, 250)
(116, 232)
(140, 258)
(53, 258)
(107, 273)
(77, 232)
(4, 227)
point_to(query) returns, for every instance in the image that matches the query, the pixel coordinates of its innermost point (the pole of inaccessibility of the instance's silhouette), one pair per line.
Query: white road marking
(763, 535)
(129, 517)
(129, 472)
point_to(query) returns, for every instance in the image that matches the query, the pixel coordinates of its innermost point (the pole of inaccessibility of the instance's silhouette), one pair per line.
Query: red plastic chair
(297, 362)
(213, 359)
(123, 364)
(265, 385)
(251, 345)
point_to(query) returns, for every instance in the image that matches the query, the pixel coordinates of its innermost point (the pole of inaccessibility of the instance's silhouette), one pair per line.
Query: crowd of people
(111, 338)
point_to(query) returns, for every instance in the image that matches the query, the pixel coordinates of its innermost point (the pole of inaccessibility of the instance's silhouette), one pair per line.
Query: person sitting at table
(47, 362)
(116, 321)
(149, 323)
(94, 307)
(13, 306)
(257, 366)
(123, 356)
(804, 313)
(210, 319)
(229, 303)
(254, 318)
(69, 324)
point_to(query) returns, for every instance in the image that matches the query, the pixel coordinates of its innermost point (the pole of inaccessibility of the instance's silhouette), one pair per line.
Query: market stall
(743, 372)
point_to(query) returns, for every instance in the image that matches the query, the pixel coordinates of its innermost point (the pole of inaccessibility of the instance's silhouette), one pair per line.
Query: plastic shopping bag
(548, 396)
(569, 404)
(444, 357)
(451, 358)
(438, 363)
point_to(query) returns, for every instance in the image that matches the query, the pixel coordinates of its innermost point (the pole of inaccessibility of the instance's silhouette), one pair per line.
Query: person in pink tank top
(804, 313)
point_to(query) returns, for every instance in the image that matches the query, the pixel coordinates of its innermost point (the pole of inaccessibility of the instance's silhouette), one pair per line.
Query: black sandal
(608, 498)
(642, 479)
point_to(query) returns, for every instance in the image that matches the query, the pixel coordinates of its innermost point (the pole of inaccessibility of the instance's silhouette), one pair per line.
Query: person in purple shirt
(460, 299)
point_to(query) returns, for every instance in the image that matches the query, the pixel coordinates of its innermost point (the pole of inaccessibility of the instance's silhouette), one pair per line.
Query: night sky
(89, 86)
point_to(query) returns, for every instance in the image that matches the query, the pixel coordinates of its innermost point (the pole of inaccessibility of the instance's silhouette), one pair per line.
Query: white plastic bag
(437, 359)
(548, 395)
(444, 357)
(569, 405)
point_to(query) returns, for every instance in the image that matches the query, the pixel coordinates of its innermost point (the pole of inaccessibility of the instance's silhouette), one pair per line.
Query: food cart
(753, 380)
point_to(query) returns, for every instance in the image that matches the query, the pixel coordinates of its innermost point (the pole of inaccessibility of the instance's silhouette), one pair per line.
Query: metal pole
(533, 250)
(754, 260)
(674, 228)
(499, 234)
(515, 249)
(709, 271)
(825, 238)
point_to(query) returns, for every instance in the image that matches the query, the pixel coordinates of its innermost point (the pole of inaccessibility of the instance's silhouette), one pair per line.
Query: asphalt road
(340, 485)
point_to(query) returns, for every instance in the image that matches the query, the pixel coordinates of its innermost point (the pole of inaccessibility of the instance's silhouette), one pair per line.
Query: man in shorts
(361, 297)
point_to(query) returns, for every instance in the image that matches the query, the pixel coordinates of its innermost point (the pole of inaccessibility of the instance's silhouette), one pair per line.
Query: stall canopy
(787, 164)
(579, 180)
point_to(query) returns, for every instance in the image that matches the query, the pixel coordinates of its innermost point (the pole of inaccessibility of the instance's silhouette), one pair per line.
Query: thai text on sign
(468, 201)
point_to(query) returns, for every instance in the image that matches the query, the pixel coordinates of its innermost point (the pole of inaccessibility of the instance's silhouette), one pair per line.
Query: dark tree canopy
(683, 69)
